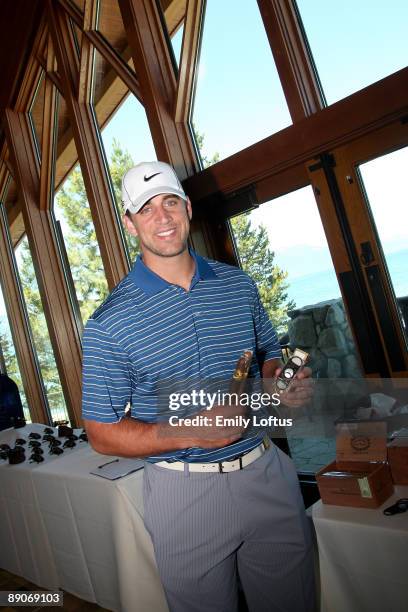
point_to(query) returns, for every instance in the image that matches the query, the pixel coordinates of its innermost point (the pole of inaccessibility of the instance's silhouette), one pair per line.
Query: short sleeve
(106, 387)
(267, 342)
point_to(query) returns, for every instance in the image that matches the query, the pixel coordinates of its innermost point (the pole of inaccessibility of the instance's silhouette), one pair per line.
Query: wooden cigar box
(360, 475)
(398, 459)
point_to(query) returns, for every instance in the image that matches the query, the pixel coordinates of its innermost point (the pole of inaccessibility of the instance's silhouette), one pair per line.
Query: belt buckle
(241, 467)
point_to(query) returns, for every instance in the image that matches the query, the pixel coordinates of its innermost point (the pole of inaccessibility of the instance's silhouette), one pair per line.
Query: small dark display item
(64, 431)
(55, 442)
(4, 447)
(4, 455)
(48, 437)
(16, 455)
(56, 450)
(83, 437)
(69, 443)
(400, 506)
(34, 443)
(34, 436)
(21, 441)
(48, 430)
(290, 369)
(36, 458)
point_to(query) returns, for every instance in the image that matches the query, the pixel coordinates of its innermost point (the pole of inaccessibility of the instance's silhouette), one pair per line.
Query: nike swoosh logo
(147, 178)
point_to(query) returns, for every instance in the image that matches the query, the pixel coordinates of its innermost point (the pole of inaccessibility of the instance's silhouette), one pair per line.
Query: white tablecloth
(62, 527)
(363, 557)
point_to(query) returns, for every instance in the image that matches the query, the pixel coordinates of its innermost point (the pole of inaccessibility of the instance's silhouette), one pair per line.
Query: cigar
(243, 365)
(241, 372)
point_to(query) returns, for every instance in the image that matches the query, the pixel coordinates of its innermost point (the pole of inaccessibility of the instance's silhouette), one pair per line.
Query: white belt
(223, 466)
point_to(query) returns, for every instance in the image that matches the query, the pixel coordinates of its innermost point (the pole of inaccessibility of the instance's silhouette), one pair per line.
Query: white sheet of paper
(117, 468)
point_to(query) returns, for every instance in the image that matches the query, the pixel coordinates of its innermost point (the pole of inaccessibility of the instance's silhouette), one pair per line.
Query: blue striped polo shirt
(148, 331)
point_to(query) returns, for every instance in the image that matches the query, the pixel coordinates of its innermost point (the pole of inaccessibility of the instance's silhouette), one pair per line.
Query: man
(218, 500)
(11, 408)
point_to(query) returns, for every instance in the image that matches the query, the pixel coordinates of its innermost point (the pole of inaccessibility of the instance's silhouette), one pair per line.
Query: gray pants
(206, 528)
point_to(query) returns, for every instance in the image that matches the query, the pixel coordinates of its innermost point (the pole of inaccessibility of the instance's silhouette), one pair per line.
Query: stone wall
(323, 331)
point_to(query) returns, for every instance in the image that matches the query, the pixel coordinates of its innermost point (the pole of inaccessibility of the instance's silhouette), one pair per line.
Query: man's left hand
(300, 391)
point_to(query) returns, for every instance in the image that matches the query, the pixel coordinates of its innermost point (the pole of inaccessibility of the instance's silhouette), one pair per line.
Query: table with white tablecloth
(62, 527)
(363, 557)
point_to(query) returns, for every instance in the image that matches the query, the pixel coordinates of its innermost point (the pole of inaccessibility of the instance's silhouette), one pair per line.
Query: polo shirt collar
(151, 283)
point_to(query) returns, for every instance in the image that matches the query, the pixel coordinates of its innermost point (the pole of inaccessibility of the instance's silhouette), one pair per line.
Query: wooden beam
(121, 68)
(155, 71)
(73, 11)
(188, 61)
(33, 71)
(26, 357)
(49, 272)
(368, 109)
(294, 67)
(174, 13)
(89, 151)
(47, 144)
(87, 53)
(87, 25)
(19, 26)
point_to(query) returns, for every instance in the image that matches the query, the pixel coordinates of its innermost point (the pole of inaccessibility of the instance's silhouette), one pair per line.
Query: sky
(239, 101)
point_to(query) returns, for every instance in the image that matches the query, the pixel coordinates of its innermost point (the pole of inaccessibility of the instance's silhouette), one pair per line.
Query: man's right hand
(216, 431)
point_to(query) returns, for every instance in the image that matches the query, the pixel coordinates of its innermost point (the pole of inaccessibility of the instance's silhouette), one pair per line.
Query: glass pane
(239, 99)
(12, 205)
(176, 43)
(40, 333)
(355, 43)
(8, 357)
(72, 213)
(124, 129)
(292, 266)
(66, 155)
(36, 113)
(174, 14)
(77, 32)
(110, 25)
(386, 185)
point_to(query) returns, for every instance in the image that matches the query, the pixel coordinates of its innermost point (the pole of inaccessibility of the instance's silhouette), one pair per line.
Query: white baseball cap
(147, 180)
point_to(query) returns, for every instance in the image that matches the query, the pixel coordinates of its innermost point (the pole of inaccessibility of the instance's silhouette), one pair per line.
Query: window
(8, 358)
(176, 43)
(355, 43)
(40, 333)
(385, 184)
(238, 99)
(36, 114)
(74, 224)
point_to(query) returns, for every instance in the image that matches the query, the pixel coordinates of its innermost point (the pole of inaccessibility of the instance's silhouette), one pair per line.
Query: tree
(7, 350)
(120, 162)
(39, 328)
(207, 161)
(71, 206)
(257, 259)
